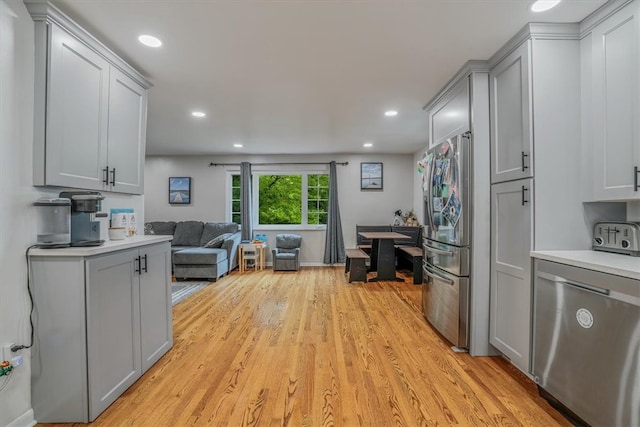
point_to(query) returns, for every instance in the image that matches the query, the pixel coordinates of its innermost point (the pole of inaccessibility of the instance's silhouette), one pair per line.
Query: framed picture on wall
(179, 190)
(371, 176)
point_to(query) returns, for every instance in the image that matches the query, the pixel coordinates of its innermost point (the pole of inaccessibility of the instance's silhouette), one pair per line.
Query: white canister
(117, 233)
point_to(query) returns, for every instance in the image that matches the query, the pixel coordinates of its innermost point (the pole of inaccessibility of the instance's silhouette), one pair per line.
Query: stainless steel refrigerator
(447, 238)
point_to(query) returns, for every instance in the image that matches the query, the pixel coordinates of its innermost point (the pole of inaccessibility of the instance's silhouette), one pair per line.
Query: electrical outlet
(7, 354)
(17, 361)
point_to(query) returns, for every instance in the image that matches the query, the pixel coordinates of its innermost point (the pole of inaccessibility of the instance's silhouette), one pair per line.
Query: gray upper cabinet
(90, 112)
(450, 116)
(76, 113)
(126, 134)
(511, 124)
(610, 123)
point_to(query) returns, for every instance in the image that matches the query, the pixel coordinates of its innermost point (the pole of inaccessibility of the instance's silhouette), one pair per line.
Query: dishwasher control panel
(618, 237)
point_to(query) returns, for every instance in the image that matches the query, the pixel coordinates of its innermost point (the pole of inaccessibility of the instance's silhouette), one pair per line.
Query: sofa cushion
(217, 242)
(163, 227)
(214, 229)
(187, 233)
(199, 256)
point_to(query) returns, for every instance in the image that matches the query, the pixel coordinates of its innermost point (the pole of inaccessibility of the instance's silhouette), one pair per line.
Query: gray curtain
(245, 201)
(334, 243)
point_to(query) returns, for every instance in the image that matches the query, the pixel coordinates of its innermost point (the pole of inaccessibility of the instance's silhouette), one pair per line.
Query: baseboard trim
(311, 264)
(24, 420)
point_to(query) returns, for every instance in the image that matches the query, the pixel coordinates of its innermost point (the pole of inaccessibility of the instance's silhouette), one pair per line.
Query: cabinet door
(511, 125)
(155, 303)
(113, 328)
(511, 242)
(615, 97)
(127, 133)
(77, 101)
(450, 116)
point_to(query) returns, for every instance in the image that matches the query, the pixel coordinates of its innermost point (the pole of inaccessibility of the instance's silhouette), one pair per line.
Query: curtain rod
(279, 164)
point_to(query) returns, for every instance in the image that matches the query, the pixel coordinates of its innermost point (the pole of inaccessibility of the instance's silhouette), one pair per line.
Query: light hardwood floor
(309, 349)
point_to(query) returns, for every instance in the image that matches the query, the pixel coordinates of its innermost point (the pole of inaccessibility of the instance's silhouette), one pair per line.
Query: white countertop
(605, 262)
(108, 246)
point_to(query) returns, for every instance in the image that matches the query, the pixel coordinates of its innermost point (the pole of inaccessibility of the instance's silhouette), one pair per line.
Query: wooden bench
(355, 265)
(412, 254)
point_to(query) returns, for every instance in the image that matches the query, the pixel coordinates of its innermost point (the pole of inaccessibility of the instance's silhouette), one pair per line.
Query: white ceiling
(301, 76)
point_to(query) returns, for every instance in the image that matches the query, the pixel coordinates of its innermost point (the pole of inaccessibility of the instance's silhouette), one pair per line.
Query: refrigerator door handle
(437, 276)
(430, 248)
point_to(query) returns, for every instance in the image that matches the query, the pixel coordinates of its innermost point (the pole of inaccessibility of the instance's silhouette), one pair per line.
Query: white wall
(17, 220)
(209, 192)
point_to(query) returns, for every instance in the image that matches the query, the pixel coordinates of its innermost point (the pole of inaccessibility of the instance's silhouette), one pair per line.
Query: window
(317, 199)
(236, 196)
(284, 199)
(292, 199)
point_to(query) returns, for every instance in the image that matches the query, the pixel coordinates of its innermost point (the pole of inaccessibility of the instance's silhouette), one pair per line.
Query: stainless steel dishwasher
(586, 343)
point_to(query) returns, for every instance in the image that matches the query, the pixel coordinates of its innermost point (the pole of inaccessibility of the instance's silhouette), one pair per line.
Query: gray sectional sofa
(203, 250)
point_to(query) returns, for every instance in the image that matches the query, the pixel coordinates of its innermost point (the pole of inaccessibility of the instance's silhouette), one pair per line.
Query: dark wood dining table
(383, 254)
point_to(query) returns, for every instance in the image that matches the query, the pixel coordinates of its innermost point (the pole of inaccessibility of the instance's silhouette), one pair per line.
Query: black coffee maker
(85, 208)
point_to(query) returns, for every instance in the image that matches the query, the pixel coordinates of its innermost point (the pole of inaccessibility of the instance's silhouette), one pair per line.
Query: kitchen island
(102, 317)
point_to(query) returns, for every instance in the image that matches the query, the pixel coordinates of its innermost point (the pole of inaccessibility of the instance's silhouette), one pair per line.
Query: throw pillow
(217, 242)
(148, 229)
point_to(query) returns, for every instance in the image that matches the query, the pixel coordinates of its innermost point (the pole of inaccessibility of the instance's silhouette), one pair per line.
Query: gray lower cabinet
(511, 241)
(100, 323)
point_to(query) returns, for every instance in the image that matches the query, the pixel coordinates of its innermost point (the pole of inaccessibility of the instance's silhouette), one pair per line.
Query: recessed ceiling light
(150, 41)
(542, 5)
(198, 114)
(237, 145)
(367, 145)
(391, 113)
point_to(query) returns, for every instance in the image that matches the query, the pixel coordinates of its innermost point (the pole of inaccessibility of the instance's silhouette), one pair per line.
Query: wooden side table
(251, 252)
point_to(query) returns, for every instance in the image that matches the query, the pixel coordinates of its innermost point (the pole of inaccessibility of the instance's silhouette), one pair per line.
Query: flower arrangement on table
(405, 218)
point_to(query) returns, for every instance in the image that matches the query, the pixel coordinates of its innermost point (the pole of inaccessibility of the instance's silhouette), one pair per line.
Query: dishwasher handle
(562, 281)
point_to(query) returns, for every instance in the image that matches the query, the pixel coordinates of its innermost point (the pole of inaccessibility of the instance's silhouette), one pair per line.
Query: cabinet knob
(113, 177)
(524, 197)
(636, 184)
(105, 179)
